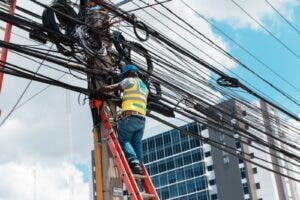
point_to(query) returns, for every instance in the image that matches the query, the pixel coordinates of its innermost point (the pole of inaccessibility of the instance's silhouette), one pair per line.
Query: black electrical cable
(53, 60)
(243, 120)
(22, 94)
(283, 17)
(187, 53)
(267, 30)
(216, 46)
(219, 146)
(164, 24)
(38, 93)
(149, 5)
(28, 12)
(269, 145)
(240, 46)
(21, 74)
(29, 25)
(272, 146)
(228, 132)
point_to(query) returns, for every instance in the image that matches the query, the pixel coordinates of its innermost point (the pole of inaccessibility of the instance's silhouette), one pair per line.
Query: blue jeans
(130, 134)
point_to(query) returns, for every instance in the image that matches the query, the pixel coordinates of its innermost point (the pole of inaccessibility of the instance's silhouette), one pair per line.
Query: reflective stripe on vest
(135, 97)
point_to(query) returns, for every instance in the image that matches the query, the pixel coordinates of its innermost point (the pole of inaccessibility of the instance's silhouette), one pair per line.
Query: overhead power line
(223, 51)
(283, 17)
(219, 146)
(267, 30)
(241, 46)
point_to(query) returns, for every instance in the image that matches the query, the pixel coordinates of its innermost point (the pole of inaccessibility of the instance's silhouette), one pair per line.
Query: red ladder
(128, 177)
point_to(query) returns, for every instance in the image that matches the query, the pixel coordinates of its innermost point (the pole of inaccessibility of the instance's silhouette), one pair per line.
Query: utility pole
(8, 29)
(107, 179)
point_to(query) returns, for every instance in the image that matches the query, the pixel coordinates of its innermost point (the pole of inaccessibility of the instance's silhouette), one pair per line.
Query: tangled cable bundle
(55, 21)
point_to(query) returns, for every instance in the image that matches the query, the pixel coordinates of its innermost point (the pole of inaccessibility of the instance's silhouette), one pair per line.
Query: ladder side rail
(118, 161)
(148, 185)
(122, 162)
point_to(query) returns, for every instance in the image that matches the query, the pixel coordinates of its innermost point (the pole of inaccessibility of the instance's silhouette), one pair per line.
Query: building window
(191, 187)
(241, 160)
(203, 127)
(212, 182)
(257, 185)
(151, 144)
(160, 154)
(176, 148)
(173, 191)
(161, 166)
(199, 169)
(144, 146)
(182, 188)
(165, 193)
(163, 179)
(245, 187)
(170, 164)
(200, 183)
(180, 174)
(172, 177)
(243, 172)
(185, 146)
(237, 144)
(187, 158)
(167, 139)
(189, 172)
(178, 161)
(252, 155)
(254, 170)
(210, 168)
(194, 143)
(197, 156)
(159, 141)
(168, 151)
(207, 154)
(214, 197)
(155, 181)
(152, 156)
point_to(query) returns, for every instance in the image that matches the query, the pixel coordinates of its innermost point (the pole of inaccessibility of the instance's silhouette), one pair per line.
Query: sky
(46, 147)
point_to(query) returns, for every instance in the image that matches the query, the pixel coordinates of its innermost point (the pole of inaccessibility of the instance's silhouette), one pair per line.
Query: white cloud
(36, 136)
(228, 12)
(26, 182)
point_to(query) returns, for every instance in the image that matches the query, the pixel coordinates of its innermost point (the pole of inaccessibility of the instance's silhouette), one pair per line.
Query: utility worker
(132, 124)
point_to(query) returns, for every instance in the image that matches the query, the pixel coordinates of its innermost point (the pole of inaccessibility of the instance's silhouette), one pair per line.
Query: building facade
(182, 167)
(176, 164)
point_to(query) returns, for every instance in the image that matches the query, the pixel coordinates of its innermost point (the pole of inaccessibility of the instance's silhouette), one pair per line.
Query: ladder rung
(147, 196)
(139, 176)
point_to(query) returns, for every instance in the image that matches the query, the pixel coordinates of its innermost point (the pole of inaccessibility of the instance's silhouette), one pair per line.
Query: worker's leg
(137, 138)
(126, 129)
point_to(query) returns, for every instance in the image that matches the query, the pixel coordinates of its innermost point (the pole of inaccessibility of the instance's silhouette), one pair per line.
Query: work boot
(136, 168)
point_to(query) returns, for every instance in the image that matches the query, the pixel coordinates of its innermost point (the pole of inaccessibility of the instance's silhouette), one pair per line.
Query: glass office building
(176, 164)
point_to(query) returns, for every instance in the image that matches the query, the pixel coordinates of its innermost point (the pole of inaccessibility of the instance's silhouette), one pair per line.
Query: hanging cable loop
(136, 23)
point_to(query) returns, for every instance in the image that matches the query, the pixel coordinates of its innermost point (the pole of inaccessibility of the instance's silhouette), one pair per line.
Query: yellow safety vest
(135, 97)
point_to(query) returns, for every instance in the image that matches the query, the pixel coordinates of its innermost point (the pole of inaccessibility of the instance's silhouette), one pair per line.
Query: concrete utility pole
(108, 183)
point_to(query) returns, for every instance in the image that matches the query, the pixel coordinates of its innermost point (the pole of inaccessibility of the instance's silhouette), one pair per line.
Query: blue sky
(267, 49)
(40, 131)
(272, 53)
